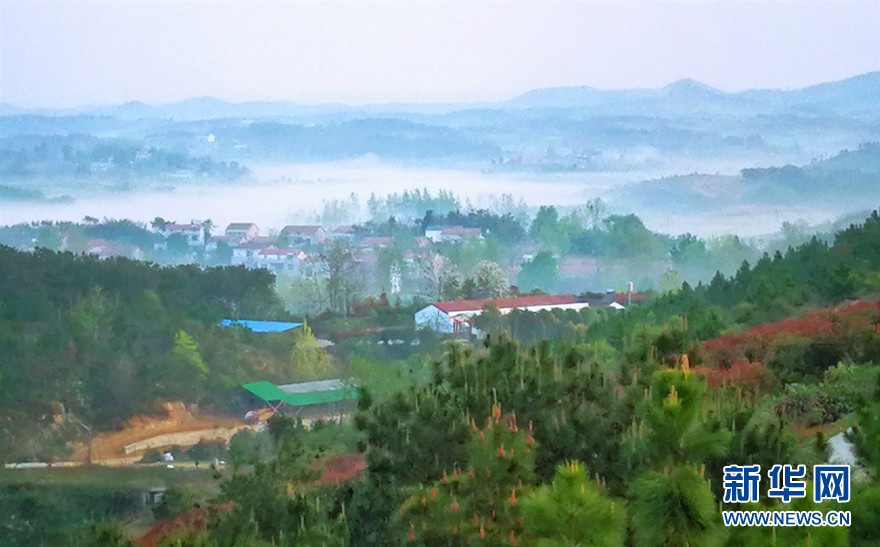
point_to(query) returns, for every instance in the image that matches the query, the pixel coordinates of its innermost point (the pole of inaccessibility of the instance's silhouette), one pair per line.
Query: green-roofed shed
(266, 391)
(326, 397)
(320, 397)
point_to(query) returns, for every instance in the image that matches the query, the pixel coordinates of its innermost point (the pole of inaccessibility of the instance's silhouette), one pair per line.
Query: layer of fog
(278, 195)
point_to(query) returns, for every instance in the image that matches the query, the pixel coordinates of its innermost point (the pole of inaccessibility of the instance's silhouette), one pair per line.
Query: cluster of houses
(284, 252)
(293, 246)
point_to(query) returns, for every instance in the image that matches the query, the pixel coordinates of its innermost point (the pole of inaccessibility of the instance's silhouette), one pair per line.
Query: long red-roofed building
(455, 316)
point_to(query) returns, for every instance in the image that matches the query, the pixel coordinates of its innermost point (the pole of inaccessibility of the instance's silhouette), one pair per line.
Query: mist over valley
(685, 158)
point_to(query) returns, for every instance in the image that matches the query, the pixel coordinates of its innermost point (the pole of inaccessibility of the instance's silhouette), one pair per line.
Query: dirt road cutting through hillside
(176, 426)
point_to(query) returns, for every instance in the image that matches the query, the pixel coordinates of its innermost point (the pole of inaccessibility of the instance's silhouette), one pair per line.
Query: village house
(342, 232)
(246, 253)
(304, 234)
(243, 230)
(608, 299)
(261, 253)
(280, 260)
(213, 242)
(194, 233)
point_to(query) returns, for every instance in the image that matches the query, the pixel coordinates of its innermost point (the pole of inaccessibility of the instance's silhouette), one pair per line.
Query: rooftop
(256, 244)
(305, 394)
(512, 302)
(304, 230)
(311, 387)
(236, 226)
(261, 326)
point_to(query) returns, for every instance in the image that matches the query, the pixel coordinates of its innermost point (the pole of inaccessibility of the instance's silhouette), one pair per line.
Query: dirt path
(176, 426)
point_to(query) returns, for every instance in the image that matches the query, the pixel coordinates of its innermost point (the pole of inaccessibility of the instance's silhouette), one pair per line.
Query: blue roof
(260, 326)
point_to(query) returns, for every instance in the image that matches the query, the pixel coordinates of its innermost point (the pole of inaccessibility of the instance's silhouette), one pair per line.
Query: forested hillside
(512, 440)
(617, 392)
(627, 416)
(91, 342)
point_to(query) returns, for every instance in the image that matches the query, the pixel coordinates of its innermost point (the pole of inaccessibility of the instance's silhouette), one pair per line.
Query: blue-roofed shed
(261, 326)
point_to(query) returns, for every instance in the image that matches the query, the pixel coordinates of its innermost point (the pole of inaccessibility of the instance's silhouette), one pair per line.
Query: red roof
(512, 302)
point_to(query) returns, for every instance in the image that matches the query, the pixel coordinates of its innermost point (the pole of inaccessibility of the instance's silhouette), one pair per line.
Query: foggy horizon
(488, 101)
(74, 55)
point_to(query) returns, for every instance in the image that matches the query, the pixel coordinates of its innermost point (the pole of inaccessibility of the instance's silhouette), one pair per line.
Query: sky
(70, 54)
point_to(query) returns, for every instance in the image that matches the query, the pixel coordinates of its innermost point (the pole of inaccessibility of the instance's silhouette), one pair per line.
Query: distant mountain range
(846, 96)
(683, 127)
(853, 95)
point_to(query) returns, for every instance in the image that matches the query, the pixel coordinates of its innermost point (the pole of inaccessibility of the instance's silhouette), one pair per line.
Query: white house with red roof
(261, 253)
(246, 253)
(454, 317)
(193, 233)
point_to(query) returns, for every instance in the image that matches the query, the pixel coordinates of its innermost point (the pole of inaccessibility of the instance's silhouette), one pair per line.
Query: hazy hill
(850, 95)
(841, 97)
(849, 177)
(845, 96)
(681, 127)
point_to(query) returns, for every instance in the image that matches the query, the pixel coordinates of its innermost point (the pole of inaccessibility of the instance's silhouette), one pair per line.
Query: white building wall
(433, 318)
(195, 237)
(244, 256)
(434, 235)
(442, 322)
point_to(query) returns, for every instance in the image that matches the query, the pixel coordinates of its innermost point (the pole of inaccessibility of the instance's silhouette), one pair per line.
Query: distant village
(450, 272)
(299, 247)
